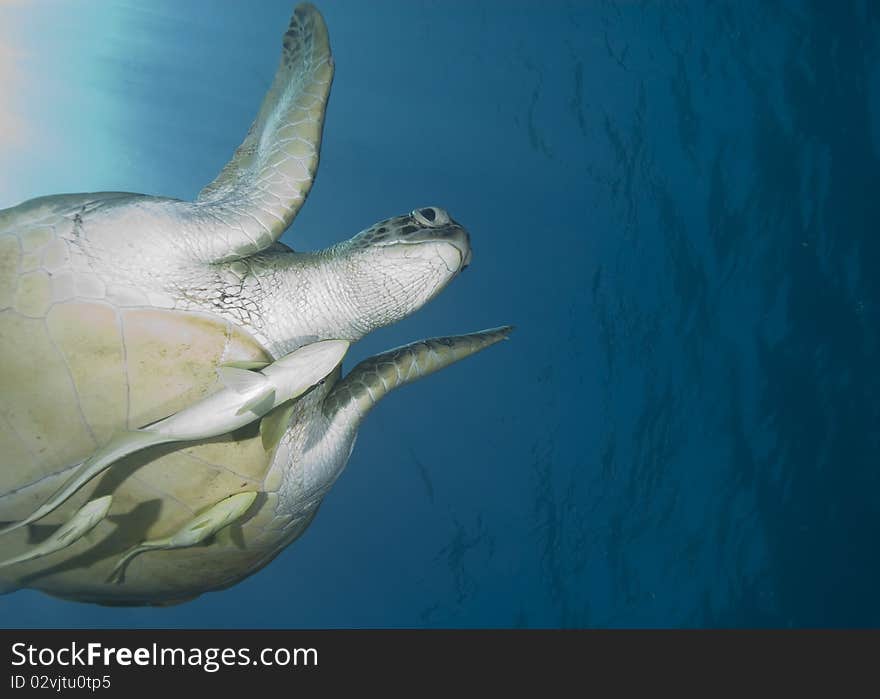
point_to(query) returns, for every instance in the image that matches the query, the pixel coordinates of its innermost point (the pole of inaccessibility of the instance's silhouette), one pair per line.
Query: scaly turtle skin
(117, 310)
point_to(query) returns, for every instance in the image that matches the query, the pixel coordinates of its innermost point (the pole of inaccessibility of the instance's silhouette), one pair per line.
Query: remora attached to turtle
(247, 395)
(116, 311)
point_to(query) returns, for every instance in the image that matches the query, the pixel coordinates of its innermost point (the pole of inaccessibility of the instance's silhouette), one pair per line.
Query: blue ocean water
(676, 203)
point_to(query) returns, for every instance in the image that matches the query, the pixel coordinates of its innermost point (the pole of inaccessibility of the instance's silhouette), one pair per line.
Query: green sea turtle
(124, 317)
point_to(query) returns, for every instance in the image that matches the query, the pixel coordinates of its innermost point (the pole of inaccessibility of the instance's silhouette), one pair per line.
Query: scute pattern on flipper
(260, 190)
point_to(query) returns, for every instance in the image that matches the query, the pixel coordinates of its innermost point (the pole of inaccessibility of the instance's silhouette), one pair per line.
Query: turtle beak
(457, 255)
(466, 260)
(449, 232)
(461, 240)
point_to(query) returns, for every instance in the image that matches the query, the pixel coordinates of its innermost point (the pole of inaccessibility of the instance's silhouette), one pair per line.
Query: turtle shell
(75, 369)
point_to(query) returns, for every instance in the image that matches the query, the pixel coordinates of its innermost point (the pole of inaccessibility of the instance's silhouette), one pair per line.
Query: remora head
(310, 364)
(403, 262)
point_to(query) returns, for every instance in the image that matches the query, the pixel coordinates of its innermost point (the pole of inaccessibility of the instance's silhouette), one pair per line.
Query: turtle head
(426, 233)
(397, 265)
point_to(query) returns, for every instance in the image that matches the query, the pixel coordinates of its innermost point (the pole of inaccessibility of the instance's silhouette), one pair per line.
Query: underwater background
(677, 205)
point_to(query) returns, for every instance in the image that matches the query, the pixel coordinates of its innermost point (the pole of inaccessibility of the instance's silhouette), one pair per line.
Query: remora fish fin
(250, 366)
(240, 380)
(233, 535)
(275, 424)
(259, 404)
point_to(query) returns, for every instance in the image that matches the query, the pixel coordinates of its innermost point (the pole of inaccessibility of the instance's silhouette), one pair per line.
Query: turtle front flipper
(259, 192)
(86, 518)
(194, 532)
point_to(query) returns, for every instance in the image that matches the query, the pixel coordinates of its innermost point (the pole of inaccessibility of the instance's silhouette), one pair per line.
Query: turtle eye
(431, 216)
